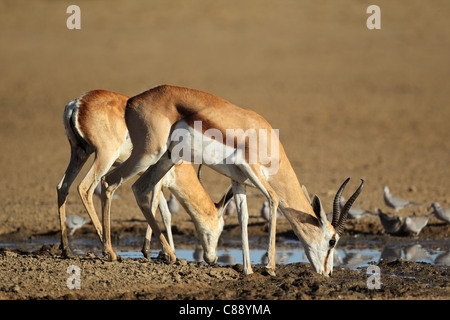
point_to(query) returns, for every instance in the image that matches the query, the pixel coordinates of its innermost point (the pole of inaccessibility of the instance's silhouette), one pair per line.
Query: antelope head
(209, 233)
(320, 253)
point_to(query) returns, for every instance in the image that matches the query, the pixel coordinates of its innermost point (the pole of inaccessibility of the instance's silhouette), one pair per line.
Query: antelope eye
(332, 242)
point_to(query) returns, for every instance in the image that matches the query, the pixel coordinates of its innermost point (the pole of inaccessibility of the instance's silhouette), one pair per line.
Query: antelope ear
(318, 210)
(222, 204)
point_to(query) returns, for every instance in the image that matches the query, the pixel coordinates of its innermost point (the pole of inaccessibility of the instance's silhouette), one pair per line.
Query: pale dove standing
(173, 204)
(413, 225)
(98, 192)
(75, 222)
(390, 224)
(440, 212)
(355, 212)
(396, 202)
(265, 211)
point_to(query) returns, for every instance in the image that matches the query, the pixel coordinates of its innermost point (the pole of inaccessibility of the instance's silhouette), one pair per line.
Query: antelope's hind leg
(110, 182)
(142, 188)
(78, 158)
(102, 163)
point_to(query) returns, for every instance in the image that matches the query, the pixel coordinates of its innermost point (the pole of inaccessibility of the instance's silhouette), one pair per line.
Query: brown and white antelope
(94, 123)
(165, 119)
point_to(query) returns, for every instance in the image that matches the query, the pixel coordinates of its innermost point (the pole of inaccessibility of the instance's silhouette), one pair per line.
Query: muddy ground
(42, 274)
(348, 101)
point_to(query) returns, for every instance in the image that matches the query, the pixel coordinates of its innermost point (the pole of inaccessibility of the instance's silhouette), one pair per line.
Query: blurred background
(348, 101)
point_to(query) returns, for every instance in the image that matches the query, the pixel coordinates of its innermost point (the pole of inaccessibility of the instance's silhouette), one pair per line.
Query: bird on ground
(396, 202)
(440, 212)
(413, 225)
(98, 192)
(173, 204)
(265, 211)
(74, 222)
(390, 224)
(355, 211)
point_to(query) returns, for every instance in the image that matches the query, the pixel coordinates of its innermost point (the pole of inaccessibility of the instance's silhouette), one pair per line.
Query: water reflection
(345, 257)
(443, 258)
(355, 259)
(350, 255)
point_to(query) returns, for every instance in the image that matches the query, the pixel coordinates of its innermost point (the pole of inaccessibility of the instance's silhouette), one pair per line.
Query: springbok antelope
(95, 123)
(159, 118)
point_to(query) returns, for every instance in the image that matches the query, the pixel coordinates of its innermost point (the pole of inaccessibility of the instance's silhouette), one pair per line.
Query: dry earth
(348, 101)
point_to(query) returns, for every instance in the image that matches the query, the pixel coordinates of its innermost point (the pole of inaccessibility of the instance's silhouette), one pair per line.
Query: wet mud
(348, 102)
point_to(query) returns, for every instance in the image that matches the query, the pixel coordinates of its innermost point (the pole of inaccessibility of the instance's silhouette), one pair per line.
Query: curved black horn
(347, 206)
(336, 204)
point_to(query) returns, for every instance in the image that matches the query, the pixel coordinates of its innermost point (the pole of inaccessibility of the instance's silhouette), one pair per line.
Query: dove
(265, 211)
(396, 202)
(75, 222)
(355, 212)
(98, 191)
(173, 204)
(413, 225)
(391, 225)
(440, 212)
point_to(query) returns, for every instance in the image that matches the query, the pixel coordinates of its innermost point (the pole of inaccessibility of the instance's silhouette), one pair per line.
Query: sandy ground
(348, 101)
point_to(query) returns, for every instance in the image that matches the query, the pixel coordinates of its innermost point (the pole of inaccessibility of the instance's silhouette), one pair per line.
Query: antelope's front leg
(241, 207)
(107, 193)
(270, 267)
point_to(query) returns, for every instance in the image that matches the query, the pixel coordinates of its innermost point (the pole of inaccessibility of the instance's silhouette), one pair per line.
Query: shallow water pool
(352, 253)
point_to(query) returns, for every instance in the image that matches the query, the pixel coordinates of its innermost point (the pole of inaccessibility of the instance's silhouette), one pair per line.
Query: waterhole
(351, 252)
